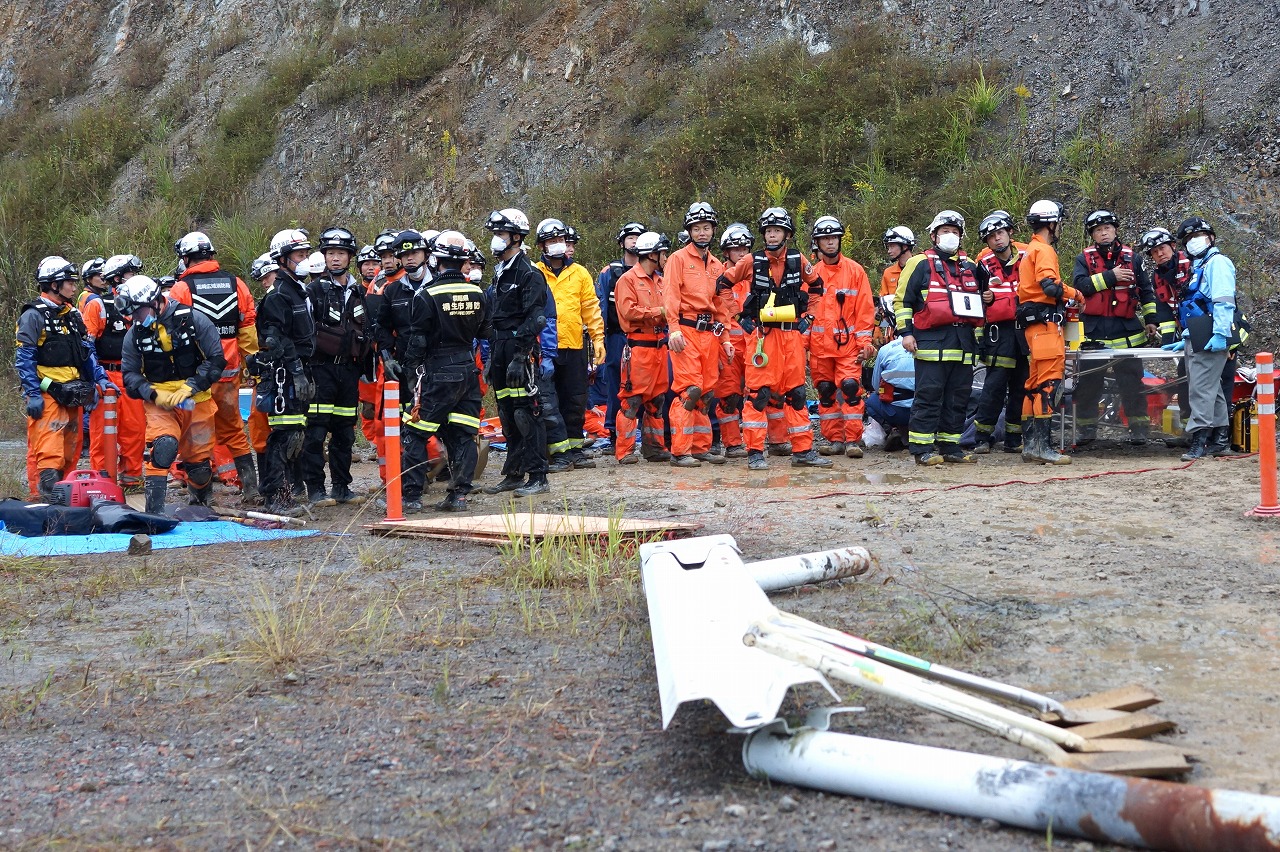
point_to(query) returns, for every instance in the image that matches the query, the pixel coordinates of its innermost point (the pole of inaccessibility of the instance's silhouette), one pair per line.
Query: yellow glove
(172, 398)
(247, 340)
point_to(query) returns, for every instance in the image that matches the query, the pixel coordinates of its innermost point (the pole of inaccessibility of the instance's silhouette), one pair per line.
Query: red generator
(82, 487)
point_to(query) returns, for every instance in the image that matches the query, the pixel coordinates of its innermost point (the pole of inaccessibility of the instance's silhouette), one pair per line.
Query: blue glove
(1175, 346)
(35, 407)
(108, 385)
(1217, 343)
(547, 369)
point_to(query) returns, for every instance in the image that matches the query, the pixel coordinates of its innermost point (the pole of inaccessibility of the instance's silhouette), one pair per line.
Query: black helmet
(996, 220)
(407, 241)
(339, 238)
(777, 216)
(1193, 225)
(828, 226)
(700, 211)
(366, 254)
(1100, 217)
(1154, 238)
(570, 234)
(629, 230)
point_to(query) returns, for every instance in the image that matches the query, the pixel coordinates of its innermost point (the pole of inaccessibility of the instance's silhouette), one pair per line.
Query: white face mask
(1197, 246)
(949, 242)
(497, 244)
(556, 249)
(475, 276)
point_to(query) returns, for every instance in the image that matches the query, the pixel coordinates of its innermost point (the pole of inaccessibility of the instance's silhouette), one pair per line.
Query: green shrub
(670, 28)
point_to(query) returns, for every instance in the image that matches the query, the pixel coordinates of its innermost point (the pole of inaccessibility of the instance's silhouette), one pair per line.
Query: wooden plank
(1144, 764)
(1080, 717)
(1131, 697)
(1134, 725)
(1126, 744)
(499, 528)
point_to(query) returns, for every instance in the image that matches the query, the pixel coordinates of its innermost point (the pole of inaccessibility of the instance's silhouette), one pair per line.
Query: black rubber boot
(154, 488)
(1219, 442)
(1199, 444)
(248, 478)
(44, 485)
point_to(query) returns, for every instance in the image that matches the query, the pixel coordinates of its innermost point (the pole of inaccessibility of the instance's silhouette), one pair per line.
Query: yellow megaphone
(777, 313)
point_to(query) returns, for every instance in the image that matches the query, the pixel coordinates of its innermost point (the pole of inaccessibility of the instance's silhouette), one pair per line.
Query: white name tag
(966, 305)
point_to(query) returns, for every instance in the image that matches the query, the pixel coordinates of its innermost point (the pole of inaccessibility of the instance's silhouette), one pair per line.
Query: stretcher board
(702, 601)
(496, 529)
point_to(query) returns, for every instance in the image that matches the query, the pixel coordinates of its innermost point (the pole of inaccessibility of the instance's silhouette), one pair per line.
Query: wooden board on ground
(495, 529)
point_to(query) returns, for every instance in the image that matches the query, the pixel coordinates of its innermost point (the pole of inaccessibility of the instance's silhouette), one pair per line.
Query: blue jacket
(1212, 290)
(897, 367)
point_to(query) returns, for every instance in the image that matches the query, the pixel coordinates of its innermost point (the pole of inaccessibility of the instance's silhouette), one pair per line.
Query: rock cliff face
(525, 92)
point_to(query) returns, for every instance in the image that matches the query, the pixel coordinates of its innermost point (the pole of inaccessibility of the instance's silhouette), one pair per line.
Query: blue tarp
(184, 535)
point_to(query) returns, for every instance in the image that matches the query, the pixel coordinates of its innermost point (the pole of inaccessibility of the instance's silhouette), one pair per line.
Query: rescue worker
(643, 316)
(106, 326)
(370, 385)
(1171, 271)
(559, 459)
(606, 387)
(172, 357)
(393, 331)
(519, 299)
(59, 373)
(447, 316)
(571, 238)
(577, 311)
(263, 270)
(1001, 348)
(372, 388)
(227, 302)
(899, 243)
(938, 309)
(736, 243)
(844, 317)
(697, 315)
(286, 333)
(775, 318)
(342, 353)
(894, 381)
(1042, 302)
(1119, 313)
(1211, 326)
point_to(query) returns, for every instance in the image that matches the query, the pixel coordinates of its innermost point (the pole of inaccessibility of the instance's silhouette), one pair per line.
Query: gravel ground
(421, 696)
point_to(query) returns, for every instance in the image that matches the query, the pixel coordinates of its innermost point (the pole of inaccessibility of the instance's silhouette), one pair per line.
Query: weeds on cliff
(400, 60)
(669, 29)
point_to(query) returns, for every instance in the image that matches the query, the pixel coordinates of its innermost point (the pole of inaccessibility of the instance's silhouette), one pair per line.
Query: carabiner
(281, 377)
(759, 359)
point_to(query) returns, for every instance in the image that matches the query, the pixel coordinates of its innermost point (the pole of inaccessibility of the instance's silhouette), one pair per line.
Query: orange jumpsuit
(729, 387)
(639, 300)
(694, 309)
(1044, 339)
(237, 330)
(782, 377)
(131, 425)
(844, 317)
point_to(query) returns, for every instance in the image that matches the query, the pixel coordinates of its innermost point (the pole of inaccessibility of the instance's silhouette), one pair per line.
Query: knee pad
(850, 388)
(826, 394)
(293, 444)
(691, 396)
(761, 399)
(731, 404)
(631, 407)
(164, 451)
(795, 398)
(654, 407)
(199, 474)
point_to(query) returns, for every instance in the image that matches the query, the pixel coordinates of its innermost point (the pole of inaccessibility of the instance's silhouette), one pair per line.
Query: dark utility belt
(649, 344)
(704, 322)
(782, 326)
(111, 365)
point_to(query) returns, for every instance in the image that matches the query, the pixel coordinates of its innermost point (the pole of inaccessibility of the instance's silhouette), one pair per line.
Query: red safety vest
(936, 310)
(1119, 301)
(1167, 291)
(1003, 284)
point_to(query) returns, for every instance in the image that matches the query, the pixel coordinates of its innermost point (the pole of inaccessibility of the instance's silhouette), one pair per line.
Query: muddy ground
(355, 692)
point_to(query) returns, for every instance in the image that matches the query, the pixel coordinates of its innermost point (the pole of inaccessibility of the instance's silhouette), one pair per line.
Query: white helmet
(316, 262)
(263, 266)
(1044, 212)
(194, 245)
(288, 241)
(452, 245)
(947, 217)
(651, 242)
(55, 269)
(138, 292)
(509, 220)
(119, 264)
(900, 234)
